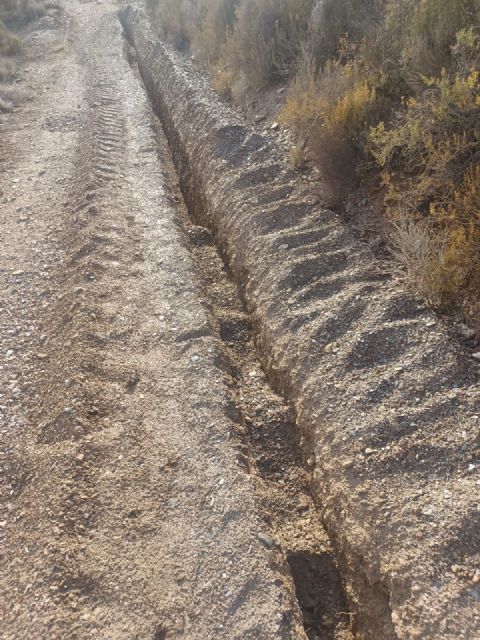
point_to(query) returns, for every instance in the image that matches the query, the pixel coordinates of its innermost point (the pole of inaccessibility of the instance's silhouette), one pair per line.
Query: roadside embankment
(387, 401)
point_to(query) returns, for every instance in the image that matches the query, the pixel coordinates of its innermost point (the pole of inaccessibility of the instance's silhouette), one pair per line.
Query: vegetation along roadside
(383, 96)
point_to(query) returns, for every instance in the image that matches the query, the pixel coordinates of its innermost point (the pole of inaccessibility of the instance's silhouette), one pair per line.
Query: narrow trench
(284, 469)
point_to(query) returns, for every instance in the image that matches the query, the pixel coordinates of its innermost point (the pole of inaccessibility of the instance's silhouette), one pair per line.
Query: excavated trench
(273, 448)
(309, 406)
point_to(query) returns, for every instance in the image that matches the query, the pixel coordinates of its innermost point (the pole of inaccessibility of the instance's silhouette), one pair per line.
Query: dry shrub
(439, 264)
(414, 246)
(10, 44)
(241, 91)
(222, 82)
(12, 14)
(15, 12)
(250, 47)
(214, 20)
(329, 111)
(264, 42)
(7, 69)
(431, 152)
(172, 18)
(337, 160)
(332, 20)
(433, 28)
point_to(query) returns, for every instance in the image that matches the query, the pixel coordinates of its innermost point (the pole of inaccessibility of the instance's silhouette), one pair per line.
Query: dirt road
(130, 507)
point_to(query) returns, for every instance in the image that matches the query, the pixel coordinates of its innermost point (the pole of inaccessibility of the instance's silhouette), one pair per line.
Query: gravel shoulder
(387, 400)
(127, 509)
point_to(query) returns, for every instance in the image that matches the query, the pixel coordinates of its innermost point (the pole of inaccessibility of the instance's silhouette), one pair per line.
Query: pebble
(476, 356)
(265, 540)
(466, 332)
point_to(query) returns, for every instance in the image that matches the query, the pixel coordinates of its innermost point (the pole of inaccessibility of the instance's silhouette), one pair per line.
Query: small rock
(265, 540)
(275, 126)
(476, 356)
(466, 332)
(283, 247)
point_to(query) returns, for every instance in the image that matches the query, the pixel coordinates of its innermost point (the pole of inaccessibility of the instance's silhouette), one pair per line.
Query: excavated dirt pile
(385, 399)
